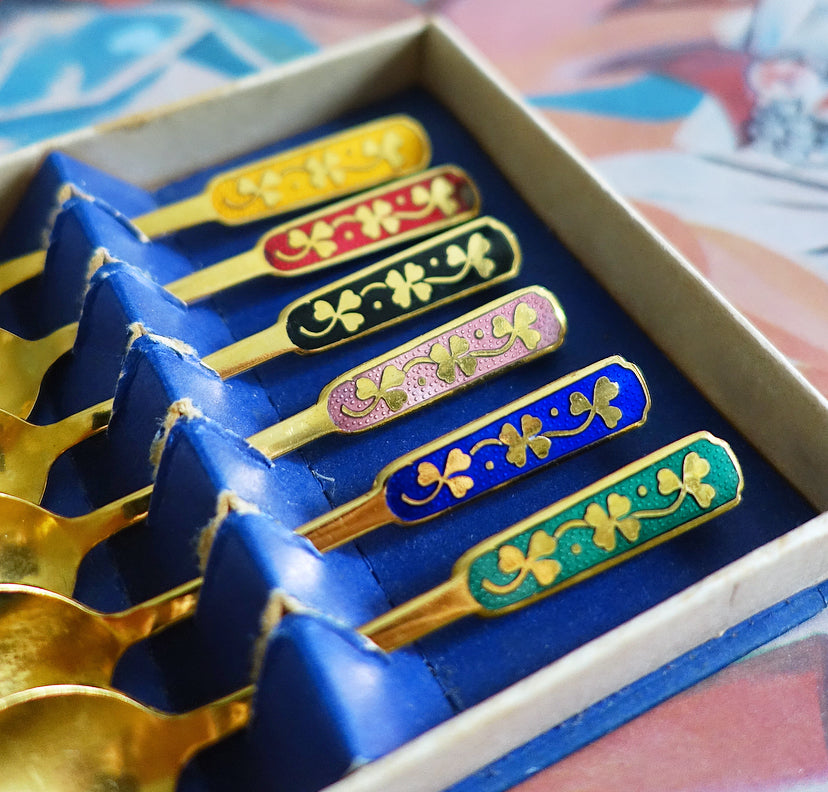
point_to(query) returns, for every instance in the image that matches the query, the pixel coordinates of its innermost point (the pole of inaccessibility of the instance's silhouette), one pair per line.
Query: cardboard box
(782, 420)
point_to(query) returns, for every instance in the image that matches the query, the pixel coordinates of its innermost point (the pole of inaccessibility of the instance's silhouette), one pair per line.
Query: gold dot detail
(421, 381)
(489, 465)
(479, 333)
(576, 549)
(400, 200)
(554, 412)
(433, 261)
(642, 491)
(377, 305)
(349, 235)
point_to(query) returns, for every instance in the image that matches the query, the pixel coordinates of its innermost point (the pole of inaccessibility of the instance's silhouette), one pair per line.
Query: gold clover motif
(474, 256)
(388, 148)
(602, 394)
(456, 462)
(455, 357)
(319, 240)
(377, 218)
(266, 188)
(511, 560)
(525, 316)
(694, 469)
(439, 193)
(344, 312)
(604, 524)
(518, 443)
(322, 171)
(410, 281)
(367, 389)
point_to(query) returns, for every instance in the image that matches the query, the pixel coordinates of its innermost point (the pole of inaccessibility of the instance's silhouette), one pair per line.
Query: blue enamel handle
(564, 417)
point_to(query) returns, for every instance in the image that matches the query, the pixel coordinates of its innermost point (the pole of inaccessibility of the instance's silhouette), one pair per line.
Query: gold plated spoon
(415, 206)
(43, 549)
(72, 737)
(339, 164)
(475, 459)
(460, 261)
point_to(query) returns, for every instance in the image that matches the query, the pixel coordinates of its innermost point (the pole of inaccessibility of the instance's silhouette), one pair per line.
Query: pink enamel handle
(507, 332)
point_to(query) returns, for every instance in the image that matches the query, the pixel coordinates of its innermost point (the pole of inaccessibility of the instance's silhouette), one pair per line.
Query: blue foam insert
(58, 176)
(473, 658)
(29, 228)
(82, 229)
(327, 687)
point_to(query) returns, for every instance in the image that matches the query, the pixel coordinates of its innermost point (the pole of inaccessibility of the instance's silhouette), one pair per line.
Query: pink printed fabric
(421, 382)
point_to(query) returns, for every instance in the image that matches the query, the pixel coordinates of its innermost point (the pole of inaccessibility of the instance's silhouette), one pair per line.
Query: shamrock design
(439, 193)
(455, 357)
(324, 170)
(377, 218)
(456, 462)
(511, 560)
(525, 316)
(474, 256)
(602, 394)
(410, 281)
(367, 389)
(604, 524)
(319, 240)
(518, 443)
(388, 148)
(266, 188)
(344, 312)
(694, 469)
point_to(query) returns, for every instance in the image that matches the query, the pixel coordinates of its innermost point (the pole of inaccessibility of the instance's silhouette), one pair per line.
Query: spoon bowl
(74, 738)
(40, 548)
(48, 639)
(30, 360)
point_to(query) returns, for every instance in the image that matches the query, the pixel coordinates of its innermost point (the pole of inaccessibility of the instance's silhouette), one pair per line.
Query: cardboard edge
(474, 738)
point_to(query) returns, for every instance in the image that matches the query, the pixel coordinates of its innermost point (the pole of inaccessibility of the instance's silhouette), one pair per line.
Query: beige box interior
(746, 379)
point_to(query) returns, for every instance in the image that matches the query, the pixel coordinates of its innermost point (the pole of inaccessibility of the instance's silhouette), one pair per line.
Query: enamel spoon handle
(397, 212)
(336, 165)
(503, 333)
(446, 267)
(420, 205)
(644, 504)
(460, 262)
(548, 425)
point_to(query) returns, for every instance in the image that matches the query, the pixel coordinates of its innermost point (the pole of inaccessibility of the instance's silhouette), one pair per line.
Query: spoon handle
(506, 332)
(156, 614)
(415, 206)
(218, 719)
(20, 269)
(446, 267)
(644, 504)
(339, 164)
(554, 422)
(73, 429)
(30, 360)
(92, 528)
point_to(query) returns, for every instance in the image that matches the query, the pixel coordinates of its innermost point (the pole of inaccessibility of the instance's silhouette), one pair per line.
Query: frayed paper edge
(183, 409)
(279, 604)
(227, 502)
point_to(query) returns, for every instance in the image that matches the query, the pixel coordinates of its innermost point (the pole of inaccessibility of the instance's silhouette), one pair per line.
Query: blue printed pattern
(564, 418)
